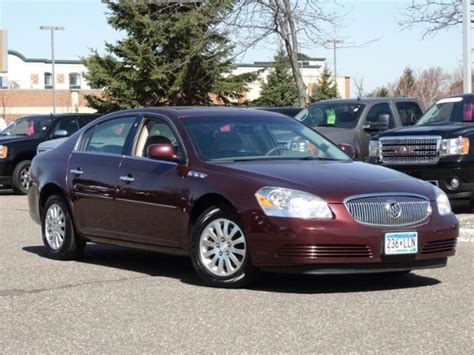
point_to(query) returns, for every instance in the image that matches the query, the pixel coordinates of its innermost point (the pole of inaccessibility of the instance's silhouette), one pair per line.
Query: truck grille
(410, 150)
(389, 210)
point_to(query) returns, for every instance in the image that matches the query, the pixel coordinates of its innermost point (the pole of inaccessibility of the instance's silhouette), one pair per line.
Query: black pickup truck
(18, 143)
(439, 148)
(355, 121)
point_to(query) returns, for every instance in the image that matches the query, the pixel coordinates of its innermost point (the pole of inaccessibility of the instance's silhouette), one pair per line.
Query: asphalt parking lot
(123, 301)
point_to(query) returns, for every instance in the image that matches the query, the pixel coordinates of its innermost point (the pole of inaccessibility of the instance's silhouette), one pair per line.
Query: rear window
(341, 115)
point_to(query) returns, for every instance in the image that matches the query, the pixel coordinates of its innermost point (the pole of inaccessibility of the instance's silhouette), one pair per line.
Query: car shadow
(461, 206)
(179, 267)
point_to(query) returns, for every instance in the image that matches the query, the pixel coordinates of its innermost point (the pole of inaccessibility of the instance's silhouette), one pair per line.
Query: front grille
(314, 251)
(410, 150)
(439, 246)
(389, 210)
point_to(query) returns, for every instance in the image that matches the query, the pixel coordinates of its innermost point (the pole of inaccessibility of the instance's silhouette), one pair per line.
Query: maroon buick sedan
(239, 191)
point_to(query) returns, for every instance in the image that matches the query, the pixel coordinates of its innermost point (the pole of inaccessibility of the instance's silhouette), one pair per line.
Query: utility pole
(52, 29)
(466, 37)
(334, 43)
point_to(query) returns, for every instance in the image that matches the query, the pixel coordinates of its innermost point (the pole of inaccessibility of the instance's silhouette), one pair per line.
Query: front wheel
(220, 252)
(59, 238)
(21, 178)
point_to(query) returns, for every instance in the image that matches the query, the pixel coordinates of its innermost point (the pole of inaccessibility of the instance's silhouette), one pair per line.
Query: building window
(74, 81)
(48, 80)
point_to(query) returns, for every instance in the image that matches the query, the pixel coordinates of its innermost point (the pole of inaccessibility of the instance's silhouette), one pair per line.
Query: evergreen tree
(171, 54)
(280, 88)
(406, 84)
(381, 91)
(325, 88)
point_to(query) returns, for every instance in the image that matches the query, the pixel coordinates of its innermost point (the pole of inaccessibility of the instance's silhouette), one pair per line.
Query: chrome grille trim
(371, 209)
(410, 150)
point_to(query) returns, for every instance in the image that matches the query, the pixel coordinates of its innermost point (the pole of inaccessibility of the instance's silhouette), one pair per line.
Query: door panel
(150, 200)
(92, 182)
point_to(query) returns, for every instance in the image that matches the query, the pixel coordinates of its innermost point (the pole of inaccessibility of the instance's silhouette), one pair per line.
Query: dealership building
(26, 83)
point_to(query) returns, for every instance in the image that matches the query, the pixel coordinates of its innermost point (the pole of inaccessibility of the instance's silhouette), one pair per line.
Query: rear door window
(410, 112)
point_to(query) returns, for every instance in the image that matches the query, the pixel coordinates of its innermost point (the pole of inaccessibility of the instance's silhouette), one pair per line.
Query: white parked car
(51, 144)
(3, 124)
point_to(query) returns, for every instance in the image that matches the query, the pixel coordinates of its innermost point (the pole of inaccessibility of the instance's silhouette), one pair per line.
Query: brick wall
(17, 103)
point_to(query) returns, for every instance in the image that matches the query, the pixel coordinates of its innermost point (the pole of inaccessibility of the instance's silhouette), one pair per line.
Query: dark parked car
(284, 110)
(222, 186)
(439, 148)
(18, 143)
(355, 121)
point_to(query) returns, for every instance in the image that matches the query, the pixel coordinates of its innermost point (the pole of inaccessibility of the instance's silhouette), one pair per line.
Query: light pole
(334, 43)
(52, 29)
(466, 39)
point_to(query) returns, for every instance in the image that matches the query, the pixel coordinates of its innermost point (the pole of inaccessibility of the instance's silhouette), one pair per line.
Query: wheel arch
(48, 190)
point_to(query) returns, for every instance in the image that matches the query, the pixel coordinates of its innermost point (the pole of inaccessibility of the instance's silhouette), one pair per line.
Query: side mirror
(348, 149)
(382, 123)
(60, 133)
(162, 152)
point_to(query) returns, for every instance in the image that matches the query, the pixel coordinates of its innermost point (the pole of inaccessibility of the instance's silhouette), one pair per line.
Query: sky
(378, 63)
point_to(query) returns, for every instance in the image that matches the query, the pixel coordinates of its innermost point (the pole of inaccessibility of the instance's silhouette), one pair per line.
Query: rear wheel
(220, 252)
(20, 178)
(59, 238)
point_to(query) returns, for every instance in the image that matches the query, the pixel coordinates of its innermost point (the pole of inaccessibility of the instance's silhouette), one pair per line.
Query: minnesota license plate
(401, 243)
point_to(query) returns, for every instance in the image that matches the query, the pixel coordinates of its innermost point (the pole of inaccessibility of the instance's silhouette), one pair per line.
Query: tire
(59, 238)
(221, 258)
(20, 179)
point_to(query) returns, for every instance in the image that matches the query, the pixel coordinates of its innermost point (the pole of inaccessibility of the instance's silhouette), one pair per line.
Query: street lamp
(467, 63)
(334, 43)
(52, 29)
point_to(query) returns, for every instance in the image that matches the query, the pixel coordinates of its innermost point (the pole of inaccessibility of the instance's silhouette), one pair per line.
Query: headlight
(3, 152)
(442, 200)
(281, 202)
(455, 146)
(374, 149)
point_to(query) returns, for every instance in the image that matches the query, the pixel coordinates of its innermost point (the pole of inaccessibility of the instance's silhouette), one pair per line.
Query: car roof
(61, 115)
(205, 111)
(369, 100)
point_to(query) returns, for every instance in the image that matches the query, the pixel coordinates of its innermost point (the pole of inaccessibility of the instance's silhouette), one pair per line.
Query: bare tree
(359, 85)
(432, 84)
(295, 23)
(435, 15)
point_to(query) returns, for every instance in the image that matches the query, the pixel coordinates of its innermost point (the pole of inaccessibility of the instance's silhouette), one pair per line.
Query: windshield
(256, 138)
(28, 126)
(342, 115)
(454, 109)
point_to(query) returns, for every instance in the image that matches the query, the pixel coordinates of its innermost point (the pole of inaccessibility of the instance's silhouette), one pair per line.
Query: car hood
(14, 139)
(445, 130)
(337, 135)
(331, 180)
(51, 144)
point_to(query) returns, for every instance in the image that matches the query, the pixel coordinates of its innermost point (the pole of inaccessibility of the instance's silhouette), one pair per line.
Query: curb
(466, 235)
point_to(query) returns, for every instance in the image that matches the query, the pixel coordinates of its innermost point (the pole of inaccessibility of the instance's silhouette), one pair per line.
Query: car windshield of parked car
(341, 115)
(28, 126)
(257, 138)
(453, 109)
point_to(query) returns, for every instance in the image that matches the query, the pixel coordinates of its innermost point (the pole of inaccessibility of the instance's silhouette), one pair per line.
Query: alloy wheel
(222, 247)
(25, 178)
(55, 226)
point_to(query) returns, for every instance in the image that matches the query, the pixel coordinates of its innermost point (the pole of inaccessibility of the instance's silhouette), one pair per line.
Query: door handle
(76, 172)
(127, 178)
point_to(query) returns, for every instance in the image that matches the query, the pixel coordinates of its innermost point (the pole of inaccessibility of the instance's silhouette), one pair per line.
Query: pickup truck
(19, 142)
(355, 121)
(439, 148)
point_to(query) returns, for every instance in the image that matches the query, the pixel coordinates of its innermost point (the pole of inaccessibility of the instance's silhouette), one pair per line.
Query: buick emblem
(393, 209)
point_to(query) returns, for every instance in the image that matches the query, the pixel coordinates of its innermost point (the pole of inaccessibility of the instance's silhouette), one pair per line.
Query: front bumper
(6, 171)
(342, 245)
(441, 174)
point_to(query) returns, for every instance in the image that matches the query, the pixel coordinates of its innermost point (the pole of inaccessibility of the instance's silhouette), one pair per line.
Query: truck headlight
(374, 149)
(282, 202)
(455, 146)
(442, 200)
(3, 152)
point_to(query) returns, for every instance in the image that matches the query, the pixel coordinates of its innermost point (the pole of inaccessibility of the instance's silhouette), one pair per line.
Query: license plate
(401, 243)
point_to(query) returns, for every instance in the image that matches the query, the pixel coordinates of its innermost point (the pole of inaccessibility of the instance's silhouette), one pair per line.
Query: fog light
(454, 183)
